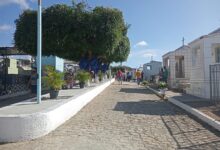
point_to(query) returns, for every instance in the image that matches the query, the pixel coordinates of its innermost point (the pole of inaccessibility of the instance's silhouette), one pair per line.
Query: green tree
(71, 32)
(121, 52)
(25, 36)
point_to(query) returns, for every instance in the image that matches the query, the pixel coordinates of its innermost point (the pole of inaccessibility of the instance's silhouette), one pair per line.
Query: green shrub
(83, 76)
(100, 75)
(145, 83)
(53, 79)
(162, 85)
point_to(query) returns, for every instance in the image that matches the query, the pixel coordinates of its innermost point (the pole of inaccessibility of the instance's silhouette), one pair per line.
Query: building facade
(151, 69)
(178, 63)
(205, 51)
(57, 62)
(190, 66)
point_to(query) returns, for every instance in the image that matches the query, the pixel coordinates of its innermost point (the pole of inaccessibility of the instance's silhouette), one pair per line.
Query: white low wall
(30, 126)
(205, 118)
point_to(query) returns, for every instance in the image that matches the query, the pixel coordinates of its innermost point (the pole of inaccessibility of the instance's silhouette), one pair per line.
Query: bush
(83, 76)
(144, 83)
(53, 78)
(100, 75)
(162, 85)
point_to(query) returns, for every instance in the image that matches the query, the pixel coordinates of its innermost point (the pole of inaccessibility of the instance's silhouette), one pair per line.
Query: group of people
(127, 76)
(163, 74)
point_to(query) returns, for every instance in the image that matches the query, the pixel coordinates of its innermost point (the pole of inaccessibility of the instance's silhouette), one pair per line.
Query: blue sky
(157, 26)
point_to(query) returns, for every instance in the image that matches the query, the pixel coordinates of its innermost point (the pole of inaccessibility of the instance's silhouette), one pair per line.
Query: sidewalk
(12, 100)
(28, 120)
(202, 108)
(126, 117)
(204, 105)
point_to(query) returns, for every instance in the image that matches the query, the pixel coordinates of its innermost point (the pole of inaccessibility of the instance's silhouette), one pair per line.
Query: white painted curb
(156, 92)
(205, 118)
(15, 128)
(212, 122)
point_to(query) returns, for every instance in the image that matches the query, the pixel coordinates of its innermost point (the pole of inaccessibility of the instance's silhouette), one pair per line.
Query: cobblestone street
(126, 117)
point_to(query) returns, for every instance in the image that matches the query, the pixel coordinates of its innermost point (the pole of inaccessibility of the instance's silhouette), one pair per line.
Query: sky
(157, 26)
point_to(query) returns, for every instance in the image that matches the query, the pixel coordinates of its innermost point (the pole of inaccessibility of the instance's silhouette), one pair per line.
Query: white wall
(155, 69)
(183, 51)
(57, 62)
(30, 126)
(200, 74)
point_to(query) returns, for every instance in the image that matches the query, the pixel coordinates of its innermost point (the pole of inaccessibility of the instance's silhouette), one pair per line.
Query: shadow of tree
(187, 131)
(190, 135)
(140, 90)
(147, 107)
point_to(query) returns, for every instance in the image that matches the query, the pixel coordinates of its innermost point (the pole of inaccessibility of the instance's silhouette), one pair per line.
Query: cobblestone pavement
(126, 117)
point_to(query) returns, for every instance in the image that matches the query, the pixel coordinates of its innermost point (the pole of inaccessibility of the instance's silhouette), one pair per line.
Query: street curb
(157, 93)
(200, 115)
(205, 118)
(21, 127)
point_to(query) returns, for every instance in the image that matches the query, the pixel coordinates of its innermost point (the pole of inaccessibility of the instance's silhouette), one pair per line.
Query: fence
(10, 84)
(215, 83)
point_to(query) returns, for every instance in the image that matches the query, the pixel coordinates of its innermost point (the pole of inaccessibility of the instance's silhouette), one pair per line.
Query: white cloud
(22, 3)
(147, 53)
(5, 27)
(141, 44)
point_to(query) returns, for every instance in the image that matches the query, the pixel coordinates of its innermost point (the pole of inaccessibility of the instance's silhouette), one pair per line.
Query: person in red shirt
(119, 76)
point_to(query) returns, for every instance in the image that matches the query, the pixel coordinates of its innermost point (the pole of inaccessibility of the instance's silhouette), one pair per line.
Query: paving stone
(126, 117)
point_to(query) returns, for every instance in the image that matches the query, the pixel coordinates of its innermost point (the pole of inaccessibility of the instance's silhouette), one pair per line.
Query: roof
(168, 53)
(184, 46)
(214, 32)
(217, 31)
(153, 61)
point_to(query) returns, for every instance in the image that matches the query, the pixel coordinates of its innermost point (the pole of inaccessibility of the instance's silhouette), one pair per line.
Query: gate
(215, 83)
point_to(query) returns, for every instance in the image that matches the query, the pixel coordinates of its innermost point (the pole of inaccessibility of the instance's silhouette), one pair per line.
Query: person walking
(161, 75)
(138, 76)
(33, 81)
(142, 76)
(165, 74)
(119, 76)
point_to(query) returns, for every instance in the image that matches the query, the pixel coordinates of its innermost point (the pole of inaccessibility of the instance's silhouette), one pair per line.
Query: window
(149, 67)
(217, 55)
(168, 62)
(179, 66)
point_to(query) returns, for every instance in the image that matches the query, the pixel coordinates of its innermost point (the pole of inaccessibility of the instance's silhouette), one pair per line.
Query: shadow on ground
(190, 136)
(140, 90)
(13, 100)
(188, 132)
(146, 107)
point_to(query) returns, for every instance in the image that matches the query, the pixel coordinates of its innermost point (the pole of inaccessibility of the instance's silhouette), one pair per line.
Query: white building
(205, 51)
(152, 68)
(55, 61)
(178, 63)
(189, 66)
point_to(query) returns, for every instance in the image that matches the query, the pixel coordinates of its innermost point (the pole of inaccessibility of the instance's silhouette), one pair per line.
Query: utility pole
(39, 50)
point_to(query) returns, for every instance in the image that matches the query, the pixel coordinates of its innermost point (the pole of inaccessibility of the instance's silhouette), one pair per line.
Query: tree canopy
(73, 32)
